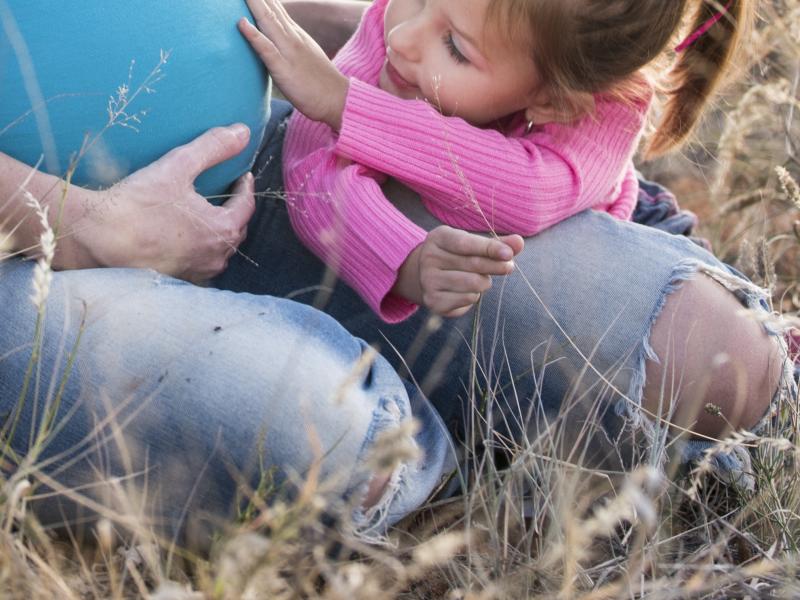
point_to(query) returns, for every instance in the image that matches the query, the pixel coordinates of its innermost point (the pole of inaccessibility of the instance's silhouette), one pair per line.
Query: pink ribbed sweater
(476, 179)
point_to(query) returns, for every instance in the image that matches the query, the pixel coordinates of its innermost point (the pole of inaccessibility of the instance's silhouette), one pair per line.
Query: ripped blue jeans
(181, 397)
(152, 399)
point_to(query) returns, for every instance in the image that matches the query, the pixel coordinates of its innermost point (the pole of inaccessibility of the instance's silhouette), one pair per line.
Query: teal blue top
(167, 71)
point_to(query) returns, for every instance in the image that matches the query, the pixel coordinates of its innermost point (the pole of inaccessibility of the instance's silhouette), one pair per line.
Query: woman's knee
(211, 377)
(717, 369)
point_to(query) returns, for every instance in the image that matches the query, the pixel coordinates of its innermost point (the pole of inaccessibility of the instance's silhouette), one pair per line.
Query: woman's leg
(566, 337)
(711, 352)
(182, 396)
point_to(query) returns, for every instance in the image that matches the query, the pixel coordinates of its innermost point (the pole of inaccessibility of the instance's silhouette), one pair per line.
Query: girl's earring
(529, 127)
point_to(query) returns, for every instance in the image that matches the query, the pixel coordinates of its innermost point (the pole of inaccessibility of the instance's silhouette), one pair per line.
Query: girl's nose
(405, 40)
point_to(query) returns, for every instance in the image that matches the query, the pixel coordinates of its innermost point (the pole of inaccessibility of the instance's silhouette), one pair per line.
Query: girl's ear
(539, 114)
(541, 109)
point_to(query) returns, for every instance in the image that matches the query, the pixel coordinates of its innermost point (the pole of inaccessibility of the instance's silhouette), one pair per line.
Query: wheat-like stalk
(43, 272)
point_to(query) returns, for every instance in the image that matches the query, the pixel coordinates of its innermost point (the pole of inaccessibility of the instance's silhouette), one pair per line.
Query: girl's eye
(453, 49)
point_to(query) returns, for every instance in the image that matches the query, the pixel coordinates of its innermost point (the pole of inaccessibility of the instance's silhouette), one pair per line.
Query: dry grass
(539, 527)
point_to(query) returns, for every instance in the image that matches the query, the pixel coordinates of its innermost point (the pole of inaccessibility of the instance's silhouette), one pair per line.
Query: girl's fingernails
(506, 253)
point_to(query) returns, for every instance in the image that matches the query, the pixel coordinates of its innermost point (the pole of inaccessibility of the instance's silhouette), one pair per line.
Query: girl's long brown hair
(586, 47)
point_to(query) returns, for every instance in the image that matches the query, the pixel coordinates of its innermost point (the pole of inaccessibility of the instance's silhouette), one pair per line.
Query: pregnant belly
(105, 88)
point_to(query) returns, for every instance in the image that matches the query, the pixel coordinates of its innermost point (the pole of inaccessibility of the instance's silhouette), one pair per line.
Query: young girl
(505, 116)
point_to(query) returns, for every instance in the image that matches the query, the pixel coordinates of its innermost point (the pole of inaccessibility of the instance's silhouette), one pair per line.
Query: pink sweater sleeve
(481, 179)
(337, 207)
(629, 194)
(340, 213)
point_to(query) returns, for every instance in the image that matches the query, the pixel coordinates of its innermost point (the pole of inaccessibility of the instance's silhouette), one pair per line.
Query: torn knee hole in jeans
(387, 463)
(732, 466)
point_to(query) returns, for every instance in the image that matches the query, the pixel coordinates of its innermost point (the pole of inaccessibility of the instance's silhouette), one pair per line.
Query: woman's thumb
(211, 148)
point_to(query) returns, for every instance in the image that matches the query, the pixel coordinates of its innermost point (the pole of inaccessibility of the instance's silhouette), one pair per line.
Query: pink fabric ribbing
(472, 178)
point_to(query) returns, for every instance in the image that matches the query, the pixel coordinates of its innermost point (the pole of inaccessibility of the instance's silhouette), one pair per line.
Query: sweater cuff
(378, 294)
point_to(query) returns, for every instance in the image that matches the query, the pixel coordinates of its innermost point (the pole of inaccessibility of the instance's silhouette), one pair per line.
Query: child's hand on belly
(299, 67)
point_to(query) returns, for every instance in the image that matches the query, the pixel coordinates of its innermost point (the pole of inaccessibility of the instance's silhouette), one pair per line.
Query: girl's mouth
(397, 79)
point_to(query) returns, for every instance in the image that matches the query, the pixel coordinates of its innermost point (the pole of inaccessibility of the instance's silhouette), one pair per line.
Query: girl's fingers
(260, 43)
(475, 264)
(270, 16)
(266, 23)
(450, 304)
(515, 242)
(464, 243)
(263, 12)
(280, 10)
(459, 282)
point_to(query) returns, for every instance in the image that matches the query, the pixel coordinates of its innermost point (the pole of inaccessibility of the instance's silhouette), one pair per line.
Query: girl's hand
(300, 68)
(155, 219)
(449, 271)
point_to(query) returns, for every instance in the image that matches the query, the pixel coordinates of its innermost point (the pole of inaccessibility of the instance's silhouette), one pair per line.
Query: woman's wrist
(79, 238)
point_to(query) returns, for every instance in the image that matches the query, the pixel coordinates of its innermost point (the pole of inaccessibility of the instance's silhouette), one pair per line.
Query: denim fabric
(187, 395)
(565, 337)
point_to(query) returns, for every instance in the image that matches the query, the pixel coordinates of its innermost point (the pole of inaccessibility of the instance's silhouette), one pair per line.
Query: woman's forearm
(18, 218)
(154, 218)
(329, 22)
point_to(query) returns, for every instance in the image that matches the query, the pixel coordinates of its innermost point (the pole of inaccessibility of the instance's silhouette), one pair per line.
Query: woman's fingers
(242, 204)
(209, 149)
(167, 225)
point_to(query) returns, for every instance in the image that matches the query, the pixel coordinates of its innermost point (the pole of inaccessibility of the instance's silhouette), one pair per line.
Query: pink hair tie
(703, 29)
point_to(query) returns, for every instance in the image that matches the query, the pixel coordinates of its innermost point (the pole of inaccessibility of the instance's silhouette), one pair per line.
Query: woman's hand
(155, 219)
(449, 271)
(297, 64)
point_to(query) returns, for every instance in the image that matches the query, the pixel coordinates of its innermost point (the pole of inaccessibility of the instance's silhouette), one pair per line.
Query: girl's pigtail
(700, 68)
